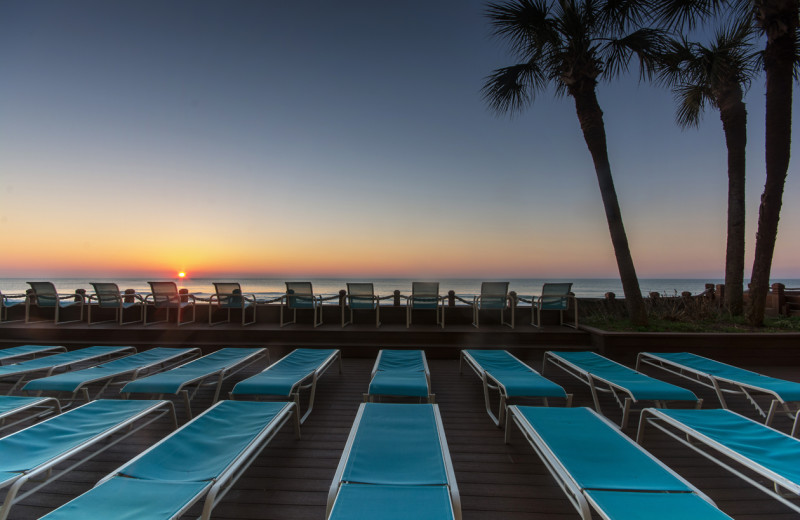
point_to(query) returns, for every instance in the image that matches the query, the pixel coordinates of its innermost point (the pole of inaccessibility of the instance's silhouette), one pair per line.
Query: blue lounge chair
(300, 295)
(187, 379)
(296, 371)
(401, 373)
(512, 378)
(625, 385)
(46, 366)
(361, 297)
(203, 459)
(32, 454)
(395, 465)
(9, 301)
(554, 297)
(600, 468)
(129, 367)
(9, 354)
(425, 296)
(165, 295)
(742, 442)
(12, 405)
(727, 379)
(108, 296)
(44, 296)
(493, 297)
(228, 296)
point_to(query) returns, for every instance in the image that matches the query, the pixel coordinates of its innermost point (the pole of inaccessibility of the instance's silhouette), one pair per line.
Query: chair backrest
(229, 293)
(554, 296)
(361, 295)
(494, 295)
(300, 295)
(45, 293)
(164, 293)
(107, 294)
(425, 295)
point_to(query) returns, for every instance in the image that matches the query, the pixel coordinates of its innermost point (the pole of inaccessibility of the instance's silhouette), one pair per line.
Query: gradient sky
(267, 138)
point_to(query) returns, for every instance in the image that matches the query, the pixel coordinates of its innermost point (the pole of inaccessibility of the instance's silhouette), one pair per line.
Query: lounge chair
(300, 295)
(600, 468)
(286, 378)
(200, 461)
(11, 405)
(554, 297)
(425, 296)
(401, 374)
(626, 385)
(513, 379)
(228, 296)
(735, 443)
(165, 295)
(186, 380)
(493, 297)
(46, 366)
(108, 296)
(361, 296)
(9, 301)
(128, 368)
(395, 465)
(9, 354)
(49, 443)
(727, 379)
(44, 296)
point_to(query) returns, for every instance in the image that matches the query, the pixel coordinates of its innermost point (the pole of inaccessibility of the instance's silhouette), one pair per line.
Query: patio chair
(12, 405)
(228, 296)
(493, 297)
(728, 379)
(187, 379)
(11, 354)
(361, 296)
(396, 464)
(600, 468)
(127, 368)
(286, 378)
(108, 296)
(165, 295)
(104, 422)
(554, 297)
(199, 462)
(9, 301)
(625, 385)
(737, 444)
(425, 296)
(44, 296)
(401, 374)
(300, 295)
(513, 379)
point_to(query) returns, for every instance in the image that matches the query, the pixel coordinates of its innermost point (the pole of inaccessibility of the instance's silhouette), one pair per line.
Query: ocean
(267, 288)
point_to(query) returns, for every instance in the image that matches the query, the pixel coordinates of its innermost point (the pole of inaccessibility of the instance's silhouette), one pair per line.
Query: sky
(349, 138)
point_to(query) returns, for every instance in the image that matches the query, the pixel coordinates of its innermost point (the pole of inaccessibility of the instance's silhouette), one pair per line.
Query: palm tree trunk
(734, 123)
(778, 62)
(591, 119)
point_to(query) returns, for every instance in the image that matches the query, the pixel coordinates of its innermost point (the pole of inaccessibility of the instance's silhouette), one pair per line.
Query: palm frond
(523, 23)
(511, 89)
(691, 104)
(646, 44)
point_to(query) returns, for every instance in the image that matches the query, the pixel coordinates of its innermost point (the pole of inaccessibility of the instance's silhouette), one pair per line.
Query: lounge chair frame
(44, 296)
(490, 383)
(423, 296)
(720, 454)
(563, 300)
(108, 296)
(165, 295)
(308, 382)
(361, 296)
(455, 497)
(301, 293)
(623, 396)
(8, 354)
(47, 471)
(228, 296)
(50, 404)
(368, 397)
(490, 298)
(9, 301)
(722, 385)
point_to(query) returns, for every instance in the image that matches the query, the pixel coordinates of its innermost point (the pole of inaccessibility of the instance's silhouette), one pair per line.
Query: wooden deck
(291, 478)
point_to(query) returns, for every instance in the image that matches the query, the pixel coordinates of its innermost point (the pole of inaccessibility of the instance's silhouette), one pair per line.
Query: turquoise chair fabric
(24, 350)
(596, 454)
(518, 379)
(655, 506)
(356, 501)
(71, 381)
(640, 385)
(66, 358)
(171, 381)
(396, 444)
(282, 376)
(401, 360)
(400, 373)
(769, 448)
(554, 296)
(787, 390)
(9, 403)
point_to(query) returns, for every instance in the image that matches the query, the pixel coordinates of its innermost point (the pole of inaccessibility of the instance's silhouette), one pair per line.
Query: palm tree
(719, 75)
(778, 21)
(572, 44)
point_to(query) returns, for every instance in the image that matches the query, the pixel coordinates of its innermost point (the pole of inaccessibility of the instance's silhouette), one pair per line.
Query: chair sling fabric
(165, 295)
(45, 296)
(626, 385)
(722, 377)
(8, 354)
(228, 296)
(300, 295)
(554, 297)
(400, 373)
(361, 296)
(14, 405)
(424, 296)
(596, 464)
(501, 371)
(493, 297)
(108, 297)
